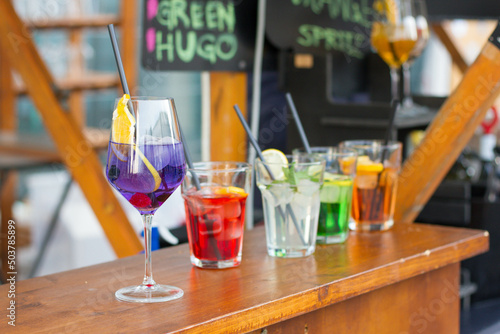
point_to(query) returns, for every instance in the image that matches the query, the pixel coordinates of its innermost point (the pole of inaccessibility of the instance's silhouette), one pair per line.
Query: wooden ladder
(77, 154)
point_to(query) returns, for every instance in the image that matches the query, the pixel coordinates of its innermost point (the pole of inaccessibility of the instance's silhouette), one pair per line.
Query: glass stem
(394, 84)
(407, 100)
(147, 219)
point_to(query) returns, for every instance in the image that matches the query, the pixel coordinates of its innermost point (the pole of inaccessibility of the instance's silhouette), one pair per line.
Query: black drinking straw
(187, 155)
(392, 117)
(298, 122)
(118, 58)
(254, 143)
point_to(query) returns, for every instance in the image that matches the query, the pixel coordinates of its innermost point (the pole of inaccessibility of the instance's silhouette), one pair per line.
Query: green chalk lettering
(185, 54)
(197, 15)
(167, 46)
(227, 17)
(307, 38)
(347, 10)
(171, 12)
(211, 14)
(205, 48)
(331, 39)
(232, 46)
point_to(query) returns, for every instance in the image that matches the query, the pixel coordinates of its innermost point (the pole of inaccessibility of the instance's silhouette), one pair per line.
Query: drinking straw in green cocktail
(254, 143)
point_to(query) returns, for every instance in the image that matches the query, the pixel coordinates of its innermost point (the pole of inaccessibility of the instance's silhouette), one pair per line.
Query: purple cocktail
(135, 178)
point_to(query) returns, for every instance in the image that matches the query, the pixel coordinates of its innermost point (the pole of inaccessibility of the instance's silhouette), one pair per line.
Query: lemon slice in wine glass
(122, 132)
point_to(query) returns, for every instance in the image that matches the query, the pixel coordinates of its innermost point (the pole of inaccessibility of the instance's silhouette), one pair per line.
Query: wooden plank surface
(261, 292)
(409, 306)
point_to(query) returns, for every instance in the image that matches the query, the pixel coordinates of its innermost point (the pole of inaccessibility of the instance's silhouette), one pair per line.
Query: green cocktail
(336, 193)
(335, 209)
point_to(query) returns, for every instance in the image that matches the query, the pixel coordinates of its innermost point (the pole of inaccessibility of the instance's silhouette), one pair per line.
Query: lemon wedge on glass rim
(275, 160)
(122, 132)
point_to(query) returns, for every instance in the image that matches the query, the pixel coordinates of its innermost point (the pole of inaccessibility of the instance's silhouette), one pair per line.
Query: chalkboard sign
(320, 26)
(208, 35)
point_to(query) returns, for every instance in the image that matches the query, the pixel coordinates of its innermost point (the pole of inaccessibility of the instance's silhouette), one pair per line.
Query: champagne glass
(393, 36)
(146, 164)
(408, 106)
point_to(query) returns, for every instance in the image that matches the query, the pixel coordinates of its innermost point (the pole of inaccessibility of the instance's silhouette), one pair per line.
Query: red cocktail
(215, 217)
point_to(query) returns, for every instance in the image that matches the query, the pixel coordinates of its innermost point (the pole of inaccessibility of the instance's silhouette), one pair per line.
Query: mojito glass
(215, 195)
(291, 200)
(375, 184)
(336, 193)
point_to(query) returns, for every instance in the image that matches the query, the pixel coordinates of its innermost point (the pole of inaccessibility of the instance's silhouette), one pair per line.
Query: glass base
(290, 252)
(221, 264)
(331, 239)
(149, 294)
(371, 226)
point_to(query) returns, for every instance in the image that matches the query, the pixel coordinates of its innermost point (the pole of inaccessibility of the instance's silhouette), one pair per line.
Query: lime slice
(276, 160)
(122, 132)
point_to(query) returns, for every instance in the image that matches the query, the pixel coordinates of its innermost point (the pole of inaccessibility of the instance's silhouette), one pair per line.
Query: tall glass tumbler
(336, 193)
(375, 184)
(290, 198)
(215, 196)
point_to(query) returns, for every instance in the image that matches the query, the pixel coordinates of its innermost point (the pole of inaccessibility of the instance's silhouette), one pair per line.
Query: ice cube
(282, 192)
(153, 140)
(267, 196)
(233, 229)
(307, 187)
(368, 181)
(232, 209)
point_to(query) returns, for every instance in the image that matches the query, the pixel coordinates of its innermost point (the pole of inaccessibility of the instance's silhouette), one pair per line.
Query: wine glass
(393, 36)
(146, 164)
(408, 106)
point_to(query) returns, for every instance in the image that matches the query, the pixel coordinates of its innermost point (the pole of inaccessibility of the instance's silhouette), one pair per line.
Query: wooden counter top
(261, 292)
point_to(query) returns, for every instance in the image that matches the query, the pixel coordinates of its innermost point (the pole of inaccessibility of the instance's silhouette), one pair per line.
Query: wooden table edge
(322, 296)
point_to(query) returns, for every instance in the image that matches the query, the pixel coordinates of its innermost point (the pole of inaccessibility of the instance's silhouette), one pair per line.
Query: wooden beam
(8, 117)
(87, 81)
(449, 133)
(77, 22)
(77, 154)
(76, 69)
(7, 199)
(128, 41)
(448, 43)
(227, 136)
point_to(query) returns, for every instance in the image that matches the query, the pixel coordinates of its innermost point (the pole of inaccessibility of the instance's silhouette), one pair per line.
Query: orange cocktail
(375, 184)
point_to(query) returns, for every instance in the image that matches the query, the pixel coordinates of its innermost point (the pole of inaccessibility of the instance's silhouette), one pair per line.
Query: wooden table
(401, 281)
